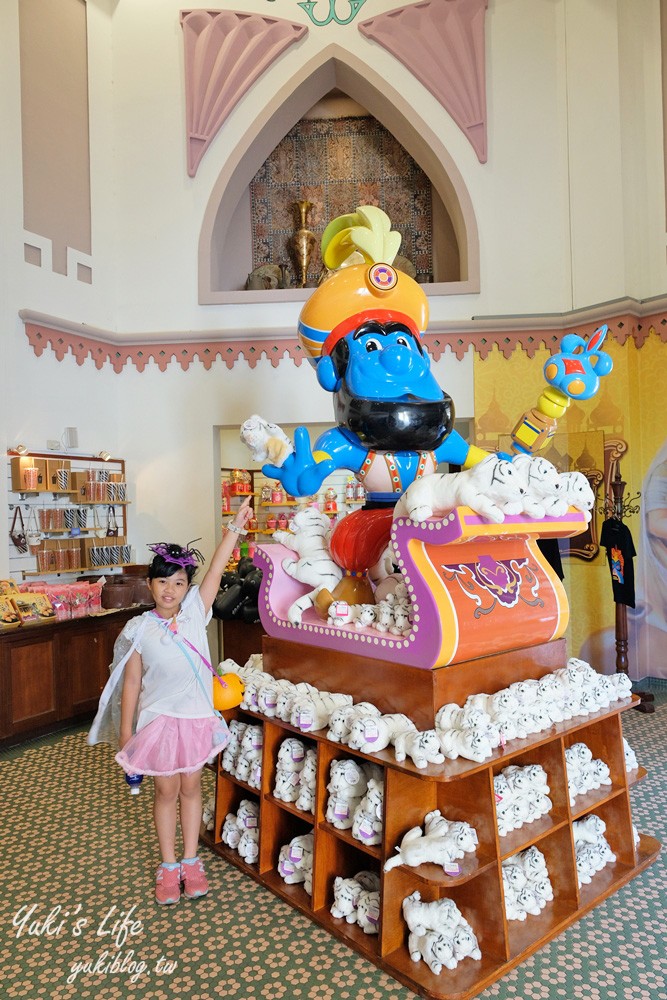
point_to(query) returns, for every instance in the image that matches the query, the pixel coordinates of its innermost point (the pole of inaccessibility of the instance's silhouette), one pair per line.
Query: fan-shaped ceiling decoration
(225, 52)
(441, 42)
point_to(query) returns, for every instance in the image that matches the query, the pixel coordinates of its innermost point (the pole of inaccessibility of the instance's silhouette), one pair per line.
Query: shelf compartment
(603, 737)
(227, 798)
(558, 852)
(274, 736)
(470, 800)
(550, 756)
(480, 903)
(336, 857)
(618, 819)
(278, 827)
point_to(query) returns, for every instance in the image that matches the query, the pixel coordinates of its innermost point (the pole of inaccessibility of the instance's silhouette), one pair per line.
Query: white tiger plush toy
(577, 492)
(267, 442)
(309, 538)
(541, 483)
(492, 488)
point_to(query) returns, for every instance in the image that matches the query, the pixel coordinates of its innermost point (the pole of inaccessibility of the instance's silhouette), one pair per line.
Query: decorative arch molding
(331, 68)
(627, 320)
(449, 37)
(225, 53)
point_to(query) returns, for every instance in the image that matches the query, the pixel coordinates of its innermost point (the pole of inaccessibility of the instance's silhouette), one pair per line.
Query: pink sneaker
(168, 885)
(194, 879)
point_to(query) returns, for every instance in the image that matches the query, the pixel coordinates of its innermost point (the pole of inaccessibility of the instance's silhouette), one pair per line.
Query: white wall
(570, 208)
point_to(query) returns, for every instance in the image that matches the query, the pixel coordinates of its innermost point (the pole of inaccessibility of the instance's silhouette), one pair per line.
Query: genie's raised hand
(301, 474)
(576, 369)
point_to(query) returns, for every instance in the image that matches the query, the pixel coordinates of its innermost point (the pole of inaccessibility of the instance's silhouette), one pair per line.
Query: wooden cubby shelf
(461, 790)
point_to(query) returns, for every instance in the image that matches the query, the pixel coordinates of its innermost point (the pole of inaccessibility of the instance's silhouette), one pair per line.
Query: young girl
(159, 699)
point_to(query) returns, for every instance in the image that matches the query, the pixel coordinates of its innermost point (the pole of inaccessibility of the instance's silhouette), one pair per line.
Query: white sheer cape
(106, 724)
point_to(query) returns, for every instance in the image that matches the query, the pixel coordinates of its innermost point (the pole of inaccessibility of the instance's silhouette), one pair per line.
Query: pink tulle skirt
(170, 745)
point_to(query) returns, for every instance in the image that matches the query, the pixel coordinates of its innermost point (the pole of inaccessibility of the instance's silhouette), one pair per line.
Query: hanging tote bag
(17, 531)
(98, 530)
(112, 525)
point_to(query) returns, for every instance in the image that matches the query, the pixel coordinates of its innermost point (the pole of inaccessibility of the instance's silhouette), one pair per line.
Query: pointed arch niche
(225, 253)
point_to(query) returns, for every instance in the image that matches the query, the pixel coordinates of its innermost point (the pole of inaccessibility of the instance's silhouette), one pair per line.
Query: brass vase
(302, 243)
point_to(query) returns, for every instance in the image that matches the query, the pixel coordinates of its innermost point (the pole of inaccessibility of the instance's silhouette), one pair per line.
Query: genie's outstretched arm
(302, 473)
(457, 451)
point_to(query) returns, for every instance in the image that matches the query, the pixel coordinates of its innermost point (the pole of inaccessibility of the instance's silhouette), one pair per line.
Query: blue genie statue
(362, 331)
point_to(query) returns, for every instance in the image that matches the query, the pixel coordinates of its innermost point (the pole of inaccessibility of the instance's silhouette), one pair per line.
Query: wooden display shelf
(75, 569)
(636, 775)
(290, 807)
(462, 790)
(374, 850)
(82, 502)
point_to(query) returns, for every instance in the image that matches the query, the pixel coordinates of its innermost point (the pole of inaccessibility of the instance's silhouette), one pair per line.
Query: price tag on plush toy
(295, 853)
(297, 754)
(294, 779)
(286, 867)
(366, 829)
(451, 868)
(370, 732)
(250, 822)
(341, 809)
(305, 719)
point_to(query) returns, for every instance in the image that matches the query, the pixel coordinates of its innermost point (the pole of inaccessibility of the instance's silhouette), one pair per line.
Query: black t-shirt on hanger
(615, 537)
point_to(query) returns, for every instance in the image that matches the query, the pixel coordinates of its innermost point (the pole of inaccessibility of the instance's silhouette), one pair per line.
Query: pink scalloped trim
(139, 355)
(102, 352)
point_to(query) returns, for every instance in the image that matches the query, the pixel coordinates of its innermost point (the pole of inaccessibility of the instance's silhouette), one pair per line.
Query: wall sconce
(20, 449)
(104, 456)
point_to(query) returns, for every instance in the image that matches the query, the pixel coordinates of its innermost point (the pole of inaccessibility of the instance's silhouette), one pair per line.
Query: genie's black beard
(395, 425)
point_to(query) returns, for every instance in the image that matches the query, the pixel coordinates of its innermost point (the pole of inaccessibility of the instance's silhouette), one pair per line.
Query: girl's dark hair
(159, 568)
(169, 558)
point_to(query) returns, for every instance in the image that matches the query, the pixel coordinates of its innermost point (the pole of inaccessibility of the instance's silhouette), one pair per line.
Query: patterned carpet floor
(77, 917)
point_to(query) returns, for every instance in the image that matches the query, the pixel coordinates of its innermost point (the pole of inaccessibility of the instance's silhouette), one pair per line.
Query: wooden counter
(51, 675)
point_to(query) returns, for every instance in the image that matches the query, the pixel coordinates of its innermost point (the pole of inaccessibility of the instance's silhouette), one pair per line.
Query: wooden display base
(462, 790)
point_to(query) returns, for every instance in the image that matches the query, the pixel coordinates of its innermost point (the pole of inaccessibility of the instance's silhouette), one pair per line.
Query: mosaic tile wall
(318, 161)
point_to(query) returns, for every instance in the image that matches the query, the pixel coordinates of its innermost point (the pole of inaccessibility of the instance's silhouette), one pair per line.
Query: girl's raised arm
(210, 585)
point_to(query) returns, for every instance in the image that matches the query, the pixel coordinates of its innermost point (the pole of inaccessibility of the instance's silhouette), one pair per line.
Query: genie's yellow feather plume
(367, 231)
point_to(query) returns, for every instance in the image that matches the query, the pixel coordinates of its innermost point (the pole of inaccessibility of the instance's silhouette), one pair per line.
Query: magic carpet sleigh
(475, 587)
